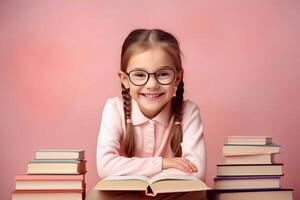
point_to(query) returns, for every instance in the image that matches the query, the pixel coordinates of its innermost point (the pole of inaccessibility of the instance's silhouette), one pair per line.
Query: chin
(152, 109)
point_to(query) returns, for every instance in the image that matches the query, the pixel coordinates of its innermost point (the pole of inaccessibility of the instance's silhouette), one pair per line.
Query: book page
(123, 183)
(129, 177)
(171, 177)
(175, 183)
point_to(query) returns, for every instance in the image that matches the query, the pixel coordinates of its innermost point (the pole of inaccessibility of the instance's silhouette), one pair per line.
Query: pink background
(59, 63)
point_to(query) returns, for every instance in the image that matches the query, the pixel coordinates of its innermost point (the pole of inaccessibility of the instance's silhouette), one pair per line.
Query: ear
(179, 77)
(124, 79)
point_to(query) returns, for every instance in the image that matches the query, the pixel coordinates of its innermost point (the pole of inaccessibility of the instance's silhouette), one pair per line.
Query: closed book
(47, 182)
(247, 182)
(249, 140)
(230, 149)
(48, 195)
(152, 186)
(59, 154)
(250, 170)
(258, 194)
(56, 166)
(249, 159)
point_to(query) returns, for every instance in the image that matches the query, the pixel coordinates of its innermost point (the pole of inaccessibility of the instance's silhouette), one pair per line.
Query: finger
(185, 164)
(192, 165)
(181, 166)
(176, 163)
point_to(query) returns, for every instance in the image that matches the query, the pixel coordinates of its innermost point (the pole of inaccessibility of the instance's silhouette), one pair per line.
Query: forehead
(150, 60)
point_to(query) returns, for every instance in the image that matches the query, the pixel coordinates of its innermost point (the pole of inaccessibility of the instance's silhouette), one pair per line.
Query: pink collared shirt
(152, 141)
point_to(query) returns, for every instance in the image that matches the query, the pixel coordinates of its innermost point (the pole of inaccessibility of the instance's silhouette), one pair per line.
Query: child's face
(152, 96)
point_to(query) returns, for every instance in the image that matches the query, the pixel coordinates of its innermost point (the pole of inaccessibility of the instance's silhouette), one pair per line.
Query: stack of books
(249, 171)
(53, 174)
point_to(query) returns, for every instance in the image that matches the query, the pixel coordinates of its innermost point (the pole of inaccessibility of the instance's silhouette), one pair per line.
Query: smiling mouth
(151, 96)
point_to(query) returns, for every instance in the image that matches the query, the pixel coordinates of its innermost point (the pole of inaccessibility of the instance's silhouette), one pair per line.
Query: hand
(179, 163)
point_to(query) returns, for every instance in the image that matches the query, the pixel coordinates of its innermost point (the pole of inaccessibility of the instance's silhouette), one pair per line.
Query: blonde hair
(137, 41)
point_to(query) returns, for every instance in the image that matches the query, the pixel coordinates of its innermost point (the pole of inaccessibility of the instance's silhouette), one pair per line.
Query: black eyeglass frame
(154, 73)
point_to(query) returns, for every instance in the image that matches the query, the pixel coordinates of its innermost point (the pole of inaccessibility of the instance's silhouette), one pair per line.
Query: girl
(150, 130)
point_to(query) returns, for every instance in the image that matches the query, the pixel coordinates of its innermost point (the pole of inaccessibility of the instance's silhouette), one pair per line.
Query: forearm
(114, 164)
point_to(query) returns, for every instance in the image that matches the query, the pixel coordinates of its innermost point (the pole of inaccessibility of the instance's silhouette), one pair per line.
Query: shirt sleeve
(193, 144)
(109, 160)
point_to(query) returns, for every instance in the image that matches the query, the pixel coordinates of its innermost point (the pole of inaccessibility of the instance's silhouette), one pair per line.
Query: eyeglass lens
(140, 77)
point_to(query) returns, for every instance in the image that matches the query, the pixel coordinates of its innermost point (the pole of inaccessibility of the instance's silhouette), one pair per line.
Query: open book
(152, 186)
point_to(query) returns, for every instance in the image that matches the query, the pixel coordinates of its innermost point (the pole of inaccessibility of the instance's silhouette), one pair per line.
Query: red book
(47, 194)
(49, 182)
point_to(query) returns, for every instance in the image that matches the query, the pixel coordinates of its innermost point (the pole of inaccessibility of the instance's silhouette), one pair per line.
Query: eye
(139, 74)
(164, 73)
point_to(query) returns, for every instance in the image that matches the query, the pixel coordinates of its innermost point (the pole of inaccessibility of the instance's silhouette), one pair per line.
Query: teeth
(151, 95)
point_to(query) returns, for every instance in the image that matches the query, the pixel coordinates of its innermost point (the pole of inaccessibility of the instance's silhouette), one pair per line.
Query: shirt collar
(163, 117)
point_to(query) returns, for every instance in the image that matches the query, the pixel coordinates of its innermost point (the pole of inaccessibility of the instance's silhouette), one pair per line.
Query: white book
(152, 186)
(250, 140)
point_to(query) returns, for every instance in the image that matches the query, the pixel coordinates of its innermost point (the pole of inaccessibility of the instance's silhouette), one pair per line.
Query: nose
(152, 82)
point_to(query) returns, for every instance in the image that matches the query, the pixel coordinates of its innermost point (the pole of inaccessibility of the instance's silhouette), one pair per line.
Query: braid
(177, 103)
(129, 143)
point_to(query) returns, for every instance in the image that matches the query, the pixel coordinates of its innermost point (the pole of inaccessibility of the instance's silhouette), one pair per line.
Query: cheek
(134, 90)
(170, 89)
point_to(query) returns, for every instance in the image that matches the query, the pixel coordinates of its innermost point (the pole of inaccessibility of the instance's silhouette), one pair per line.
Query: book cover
(250, 170)
(56, 166)
(249, 159)
(247, 182)
(47, 182)
(59, 154)
(250, 194)
(236, 149)
(249, 140)
(48, 194)
(152, 186)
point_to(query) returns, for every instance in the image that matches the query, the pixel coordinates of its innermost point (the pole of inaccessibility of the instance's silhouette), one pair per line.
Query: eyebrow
(160, 68)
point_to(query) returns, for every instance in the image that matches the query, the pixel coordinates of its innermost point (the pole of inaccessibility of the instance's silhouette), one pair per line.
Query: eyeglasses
(141, 77)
